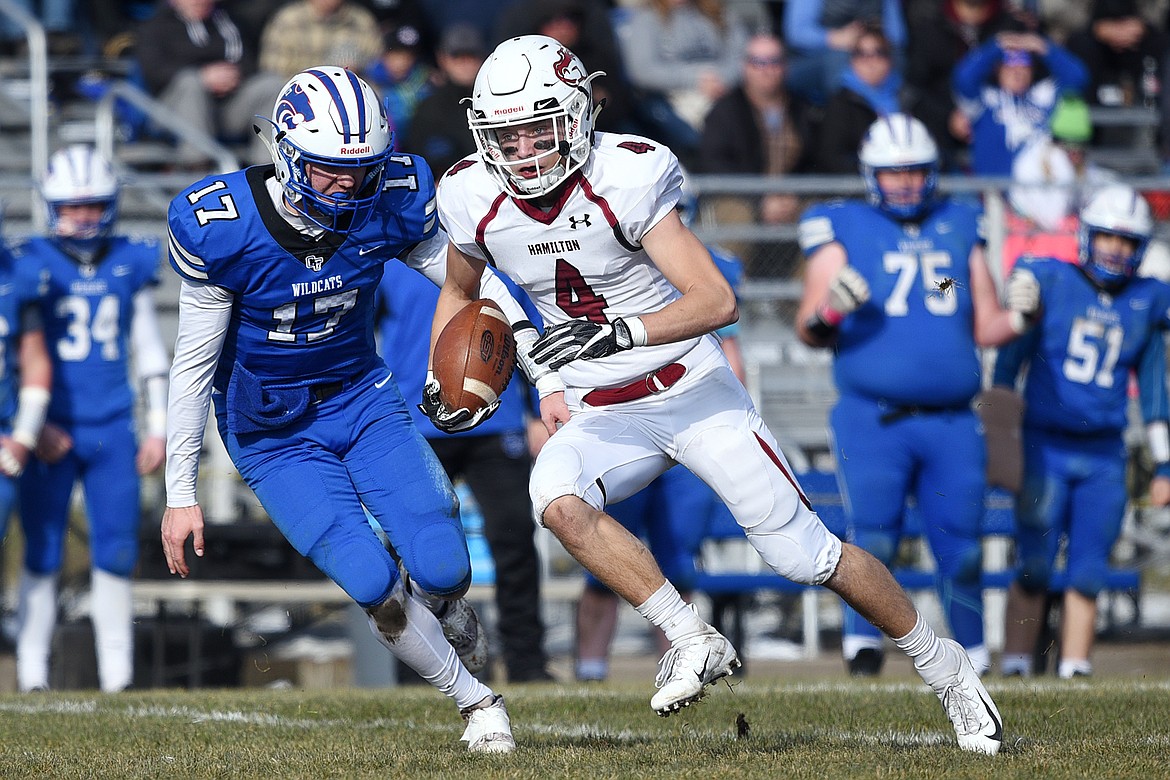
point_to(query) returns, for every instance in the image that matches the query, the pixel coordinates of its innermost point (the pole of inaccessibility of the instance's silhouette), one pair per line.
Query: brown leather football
(474, 356)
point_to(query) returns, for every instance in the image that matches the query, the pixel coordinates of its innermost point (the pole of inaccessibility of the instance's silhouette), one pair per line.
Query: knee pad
(966, 568)
(882, 545)
(1088, 583)
(1034, 577)
(118, 557)
(438, 561)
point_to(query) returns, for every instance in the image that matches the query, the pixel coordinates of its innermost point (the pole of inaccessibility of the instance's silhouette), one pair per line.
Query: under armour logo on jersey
(88, 271)
(314, 262)
(582, 221)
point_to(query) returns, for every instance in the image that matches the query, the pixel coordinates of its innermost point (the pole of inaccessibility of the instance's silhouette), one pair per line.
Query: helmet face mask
(526, 82)
(1116, 210)
(899, 142)
(329, 119)
(79, 176)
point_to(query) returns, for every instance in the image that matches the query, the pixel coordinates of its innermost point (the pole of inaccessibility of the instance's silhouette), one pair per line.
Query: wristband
(31, 411)
(1162, 469)
(1019, 323)
(820, 328)
(637, 330)
(549, 383)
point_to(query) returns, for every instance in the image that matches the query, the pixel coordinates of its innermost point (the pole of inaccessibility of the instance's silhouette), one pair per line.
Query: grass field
(829, 729)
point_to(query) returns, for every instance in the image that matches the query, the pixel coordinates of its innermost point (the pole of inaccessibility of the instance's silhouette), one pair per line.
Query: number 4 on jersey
(575, 297)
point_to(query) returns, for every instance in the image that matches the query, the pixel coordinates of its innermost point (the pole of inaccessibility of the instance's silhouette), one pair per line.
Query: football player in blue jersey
(1099, 322)
(279, 268)
(97, 303)
(899, 287)
(25, 377)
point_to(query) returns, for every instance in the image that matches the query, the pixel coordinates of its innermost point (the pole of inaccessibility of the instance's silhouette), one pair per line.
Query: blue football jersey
(18, 291)
(732, 269)
(913, 342)
(87, 309)
(1081, 351)
(304, 309)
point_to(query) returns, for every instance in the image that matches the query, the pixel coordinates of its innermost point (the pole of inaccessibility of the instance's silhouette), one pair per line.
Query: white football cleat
(489, 729)
(977, 722)
(689, 667)
(462, 629)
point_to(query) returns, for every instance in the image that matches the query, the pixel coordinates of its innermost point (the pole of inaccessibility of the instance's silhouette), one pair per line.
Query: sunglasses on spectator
(766, 62)
(870, 53)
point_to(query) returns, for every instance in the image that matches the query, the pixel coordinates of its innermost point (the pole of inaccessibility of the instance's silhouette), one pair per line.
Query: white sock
(111, 610)
(852, 644)
(980, 658)
(592, 668)
(934, 663)
(1016, 663)
(1070, 668)
(37, 617)
(666, 609)
(419, 643)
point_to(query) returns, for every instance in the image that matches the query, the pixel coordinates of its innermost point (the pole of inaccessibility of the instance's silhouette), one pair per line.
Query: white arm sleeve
(151, 361)
(204, 314)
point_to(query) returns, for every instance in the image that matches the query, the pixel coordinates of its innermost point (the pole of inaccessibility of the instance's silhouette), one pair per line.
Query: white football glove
(848, 292)
(451, 420)
(1023, 299)
(584, 340)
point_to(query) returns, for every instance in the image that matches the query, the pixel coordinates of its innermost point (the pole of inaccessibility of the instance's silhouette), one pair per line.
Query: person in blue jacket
(1099, 323)
(1000, 115)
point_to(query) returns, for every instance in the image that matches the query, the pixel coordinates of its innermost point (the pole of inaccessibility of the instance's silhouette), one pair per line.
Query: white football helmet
(328, 116)
(899, 142)
(78, 175)
(526, 80)
(1117, 209)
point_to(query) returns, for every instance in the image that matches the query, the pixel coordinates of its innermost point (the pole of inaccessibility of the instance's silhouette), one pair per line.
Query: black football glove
(451, 420)
(577, 339)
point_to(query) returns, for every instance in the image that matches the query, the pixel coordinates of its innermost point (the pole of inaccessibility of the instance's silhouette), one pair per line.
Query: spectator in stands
(492, 459)
(439, 129)
(687, 53)
(194, 59)
(757, 128)
(821, 36)
(401, 76)
(59, 20)
(939, 41)
(899, 287)
(584, 27)
(1098, 323)
(99, 314)
(1072, 129)
(672, 514)
(1124, 55)
(998, 118)
(307, 33)
(870, 87)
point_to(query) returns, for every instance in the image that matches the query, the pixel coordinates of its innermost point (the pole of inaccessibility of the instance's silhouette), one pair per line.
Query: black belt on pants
(902, 412)
(324, 391)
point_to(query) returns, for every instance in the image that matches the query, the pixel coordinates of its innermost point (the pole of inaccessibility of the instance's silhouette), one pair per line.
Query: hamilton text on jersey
(554, 247)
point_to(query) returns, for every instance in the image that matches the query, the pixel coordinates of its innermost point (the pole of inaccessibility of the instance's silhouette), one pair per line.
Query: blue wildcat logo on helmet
(293, 108)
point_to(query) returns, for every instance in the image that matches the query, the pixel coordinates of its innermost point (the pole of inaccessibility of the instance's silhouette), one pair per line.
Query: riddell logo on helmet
(508, 110)
(356, 150)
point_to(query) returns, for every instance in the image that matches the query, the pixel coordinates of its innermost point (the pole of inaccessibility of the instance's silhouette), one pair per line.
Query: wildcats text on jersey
(327, 284)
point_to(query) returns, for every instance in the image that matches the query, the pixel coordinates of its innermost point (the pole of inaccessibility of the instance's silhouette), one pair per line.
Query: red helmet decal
(567, 69)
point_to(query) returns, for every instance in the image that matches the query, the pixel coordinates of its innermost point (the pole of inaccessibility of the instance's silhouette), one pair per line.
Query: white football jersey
(583, 258)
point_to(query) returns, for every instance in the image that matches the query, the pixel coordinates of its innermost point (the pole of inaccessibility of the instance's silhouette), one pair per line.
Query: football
(474, 356)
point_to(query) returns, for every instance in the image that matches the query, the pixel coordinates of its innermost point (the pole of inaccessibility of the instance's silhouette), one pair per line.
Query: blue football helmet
(79, 176)
(899, 142)
(1119, 210)
(328, 116)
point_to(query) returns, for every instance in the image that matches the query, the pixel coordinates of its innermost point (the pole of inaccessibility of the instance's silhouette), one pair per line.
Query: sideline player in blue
(25, 377)
(493, 459)
(673, 513)
(276, 324)
(900, 289)
(1099, 321)
(97, 302)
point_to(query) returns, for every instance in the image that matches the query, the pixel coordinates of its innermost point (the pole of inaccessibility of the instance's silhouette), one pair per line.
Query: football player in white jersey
(585, 223)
